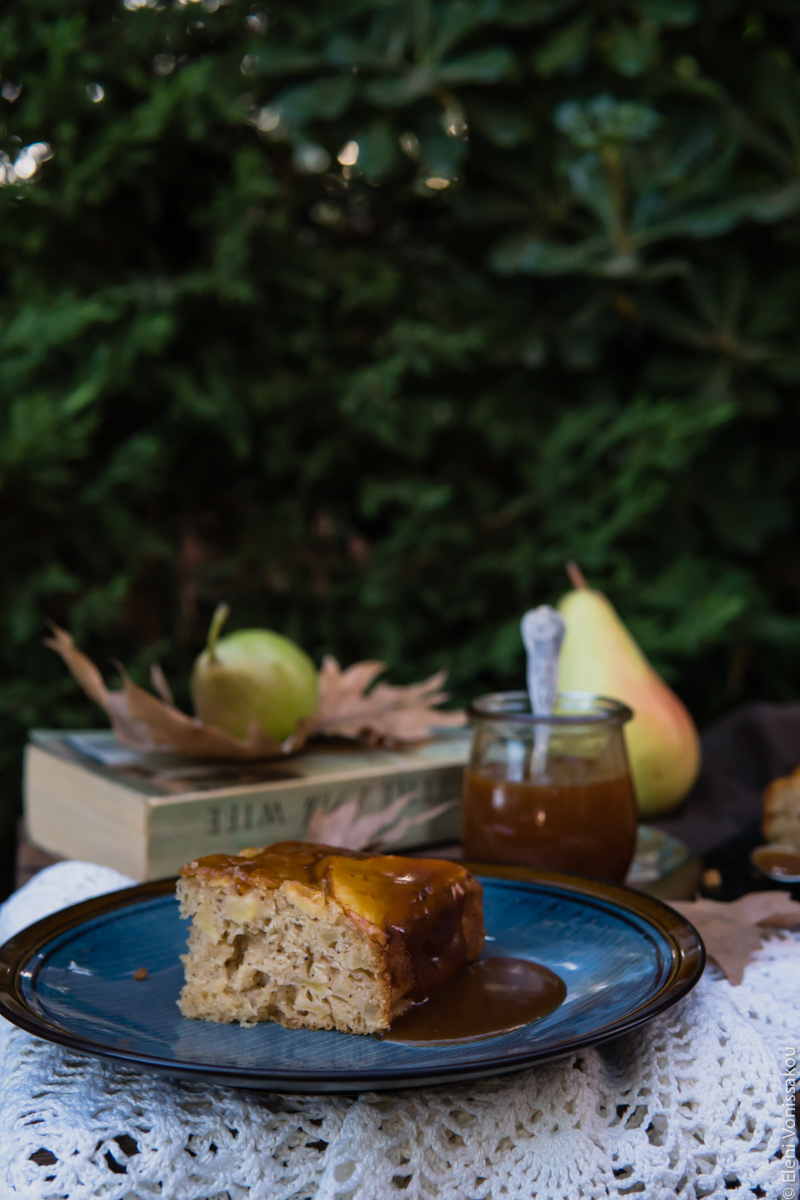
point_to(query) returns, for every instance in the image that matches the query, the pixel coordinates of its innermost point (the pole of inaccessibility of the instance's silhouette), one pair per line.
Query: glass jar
(552, 792)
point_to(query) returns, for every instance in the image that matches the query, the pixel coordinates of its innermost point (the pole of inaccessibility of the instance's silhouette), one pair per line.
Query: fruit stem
(576, 575)
(221, 614)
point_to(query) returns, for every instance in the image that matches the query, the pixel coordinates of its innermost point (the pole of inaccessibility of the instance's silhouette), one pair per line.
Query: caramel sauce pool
(588, 828)
(493, 996)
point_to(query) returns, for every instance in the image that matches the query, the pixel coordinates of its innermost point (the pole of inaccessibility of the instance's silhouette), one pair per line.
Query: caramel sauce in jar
(584, 828)
(551, 792)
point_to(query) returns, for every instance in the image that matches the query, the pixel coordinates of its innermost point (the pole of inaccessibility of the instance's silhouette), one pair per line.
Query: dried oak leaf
(383, 715)
(733, 931)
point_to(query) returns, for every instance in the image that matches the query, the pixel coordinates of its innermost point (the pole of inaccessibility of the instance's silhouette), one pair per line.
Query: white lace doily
(689, 1106)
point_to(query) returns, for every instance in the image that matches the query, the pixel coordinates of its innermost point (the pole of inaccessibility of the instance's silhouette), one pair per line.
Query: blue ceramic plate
(70, 979)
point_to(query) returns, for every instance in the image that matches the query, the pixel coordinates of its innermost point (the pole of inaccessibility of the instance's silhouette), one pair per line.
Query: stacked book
(145, 814)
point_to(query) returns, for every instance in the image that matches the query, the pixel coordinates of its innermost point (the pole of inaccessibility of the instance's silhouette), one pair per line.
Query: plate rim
(688, 962)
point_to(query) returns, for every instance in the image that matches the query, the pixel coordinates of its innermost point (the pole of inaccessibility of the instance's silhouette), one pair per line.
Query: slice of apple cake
(321, 938)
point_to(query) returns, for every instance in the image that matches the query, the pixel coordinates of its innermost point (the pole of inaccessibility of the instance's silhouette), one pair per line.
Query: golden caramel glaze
(269, 867)
(428, 909)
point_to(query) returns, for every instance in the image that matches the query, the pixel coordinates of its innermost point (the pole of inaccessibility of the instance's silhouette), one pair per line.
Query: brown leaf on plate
(733, 931)
(383, 715)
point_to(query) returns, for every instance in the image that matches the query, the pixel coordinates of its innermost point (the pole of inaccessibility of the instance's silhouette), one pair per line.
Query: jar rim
(589, 709)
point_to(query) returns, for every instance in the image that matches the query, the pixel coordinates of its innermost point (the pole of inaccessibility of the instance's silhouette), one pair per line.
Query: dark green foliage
(551, 312)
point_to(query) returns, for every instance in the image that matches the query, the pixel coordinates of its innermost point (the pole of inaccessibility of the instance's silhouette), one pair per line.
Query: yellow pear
(599, 655)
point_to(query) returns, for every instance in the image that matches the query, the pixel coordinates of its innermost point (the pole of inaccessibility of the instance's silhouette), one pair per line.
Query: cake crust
(318, 937)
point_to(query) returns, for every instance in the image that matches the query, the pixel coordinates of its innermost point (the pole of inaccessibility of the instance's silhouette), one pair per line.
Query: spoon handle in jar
(542, 633)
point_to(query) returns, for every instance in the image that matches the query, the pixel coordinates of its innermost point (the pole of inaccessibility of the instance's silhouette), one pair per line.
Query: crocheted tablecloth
(691, 1105)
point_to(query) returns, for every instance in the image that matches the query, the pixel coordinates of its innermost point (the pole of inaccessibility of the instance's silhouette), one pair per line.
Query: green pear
(253, 675)
(599, 655)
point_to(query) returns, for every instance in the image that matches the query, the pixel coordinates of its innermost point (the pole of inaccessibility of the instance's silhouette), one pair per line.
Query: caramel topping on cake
(386, 890)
